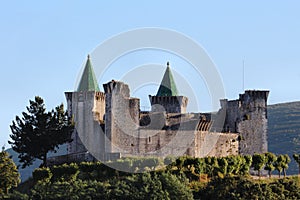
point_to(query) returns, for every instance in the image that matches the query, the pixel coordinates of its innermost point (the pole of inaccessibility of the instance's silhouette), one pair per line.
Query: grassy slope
(283, 130)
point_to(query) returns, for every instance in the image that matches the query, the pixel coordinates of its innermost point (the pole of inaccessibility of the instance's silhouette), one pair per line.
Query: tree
(297, 159)
(9, 175)
(281, 164)
(258, 161)
(285, 165)
(37, 132)
(223, 164)
(246, 164)
(211, 166)
(175, 186)
(270, 159)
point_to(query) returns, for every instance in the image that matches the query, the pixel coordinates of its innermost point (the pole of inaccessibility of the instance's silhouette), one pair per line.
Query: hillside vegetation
(284, 131)
(184, 178)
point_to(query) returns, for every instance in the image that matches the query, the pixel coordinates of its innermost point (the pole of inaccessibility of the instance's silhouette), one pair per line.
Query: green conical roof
(88, 81)
(167, 86)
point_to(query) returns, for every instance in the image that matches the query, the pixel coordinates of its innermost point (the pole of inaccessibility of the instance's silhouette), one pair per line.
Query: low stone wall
(70, 158)
(82, 157)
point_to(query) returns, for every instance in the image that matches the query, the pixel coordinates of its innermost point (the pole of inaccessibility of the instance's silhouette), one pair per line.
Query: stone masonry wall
(253, 124)
(99, 107)
(247, 116)
(216, 144)
(88, 135)
(173, 104)
(121, 119)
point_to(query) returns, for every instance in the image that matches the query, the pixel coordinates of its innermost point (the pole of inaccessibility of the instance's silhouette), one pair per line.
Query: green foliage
(180, 162)
(246, 162)
(136, 164)
(199, 165)
(98, 181)
(213, 166)
(96, 171)
(270, 159)
(281, 163)
(37, 132)
(61, 190)
(9, 175)
(237, 187)
(278, 164)
(139, 186)
(223, 165)
(232, 164)
(258, 161)
(145, 164)
(175, 187)
(189, 162)
(285, 166)
(135, 186)
(42, 174)
(67, 172)
(297, 159)
(15, 195)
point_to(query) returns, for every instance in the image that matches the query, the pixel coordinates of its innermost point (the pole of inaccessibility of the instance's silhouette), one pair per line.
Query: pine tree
(37, 132)
(9, 175)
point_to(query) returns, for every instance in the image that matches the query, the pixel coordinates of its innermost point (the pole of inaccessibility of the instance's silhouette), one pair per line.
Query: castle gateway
(110, 124)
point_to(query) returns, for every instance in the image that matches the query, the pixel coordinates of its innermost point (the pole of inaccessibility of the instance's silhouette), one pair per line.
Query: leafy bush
(237, 187)
(65, 172)
(203, 178)
(41, 174)
(15, 195)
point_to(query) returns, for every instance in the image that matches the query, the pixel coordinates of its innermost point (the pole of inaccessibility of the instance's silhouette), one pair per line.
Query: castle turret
(121, 119)
(247, 116)
(167, 98)
(87, 107)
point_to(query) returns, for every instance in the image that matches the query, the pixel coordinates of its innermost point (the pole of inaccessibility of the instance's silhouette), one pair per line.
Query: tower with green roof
(87, 107)
(88, 81)
(167, 98)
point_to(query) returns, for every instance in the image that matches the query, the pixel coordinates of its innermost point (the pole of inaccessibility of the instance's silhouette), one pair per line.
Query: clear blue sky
(43, 45)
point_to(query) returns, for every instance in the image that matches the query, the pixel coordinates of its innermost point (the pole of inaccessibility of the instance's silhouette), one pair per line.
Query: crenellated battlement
(100, 96)
(169, 99)
(254, 95)
(117, 87)
(170, 104)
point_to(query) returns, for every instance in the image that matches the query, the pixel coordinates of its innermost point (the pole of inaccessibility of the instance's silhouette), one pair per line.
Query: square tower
(167, 98)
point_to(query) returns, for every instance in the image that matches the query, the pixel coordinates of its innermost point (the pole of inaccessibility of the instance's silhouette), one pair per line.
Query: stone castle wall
(247, 116)
(216, 144)
(169, 104)
(122, 118)
(112, 125)
(253, 124)
(99, 107)
(133, 133)
(87, 110)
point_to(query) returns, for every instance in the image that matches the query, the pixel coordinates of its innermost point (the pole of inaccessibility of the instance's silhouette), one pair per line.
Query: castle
(110, 125)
